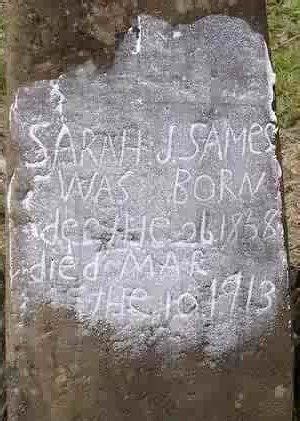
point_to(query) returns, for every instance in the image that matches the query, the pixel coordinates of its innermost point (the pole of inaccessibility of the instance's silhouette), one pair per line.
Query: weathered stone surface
(147, 261)
(46, 38)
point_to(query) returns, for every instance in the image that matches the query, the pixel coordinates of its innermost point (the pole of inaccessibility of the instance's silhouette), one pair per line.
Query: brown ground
(290, 144)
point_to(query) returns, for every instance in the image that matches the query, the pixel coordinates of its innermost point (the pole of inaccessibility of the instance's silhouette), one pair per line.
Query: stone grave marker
(147, 271)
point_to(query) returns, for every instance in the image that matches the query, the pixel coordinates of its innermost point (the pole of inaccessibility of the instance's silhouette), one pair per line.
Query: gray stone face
(153, 199)
(147, 197)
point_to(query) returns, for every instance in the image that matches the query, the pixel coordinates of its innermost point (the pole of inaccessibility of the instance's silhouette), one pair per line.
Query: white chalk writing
(161, 217)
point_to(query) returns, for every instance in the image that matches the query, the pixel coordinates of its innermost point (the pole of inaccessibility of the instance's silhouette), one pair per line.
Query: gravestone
(147, 272)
